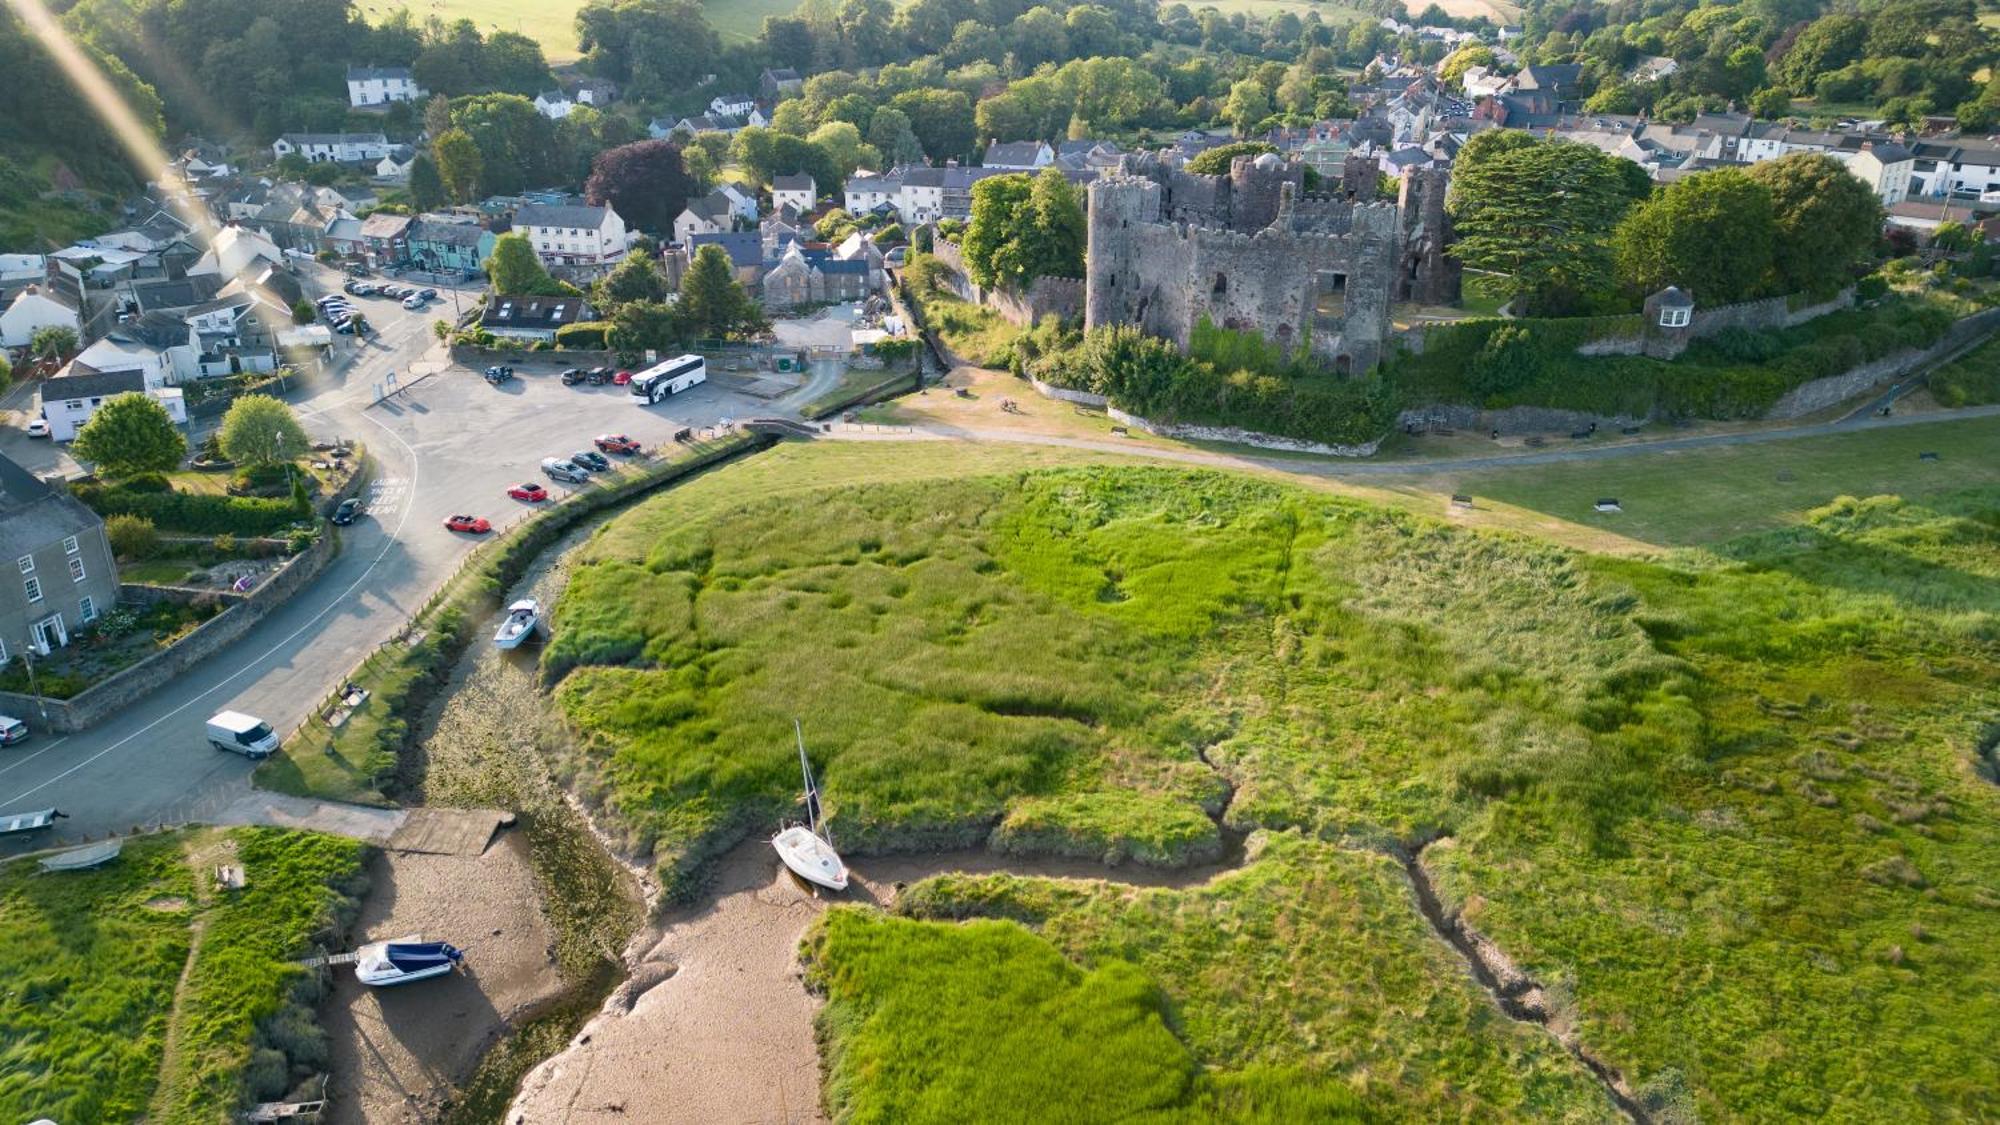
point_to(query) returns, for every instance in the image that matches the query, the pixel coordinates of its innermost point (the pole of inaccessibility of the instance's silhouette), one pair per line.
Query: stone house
(777, 83)
(60, 575)
(387, 238)
(802, 276)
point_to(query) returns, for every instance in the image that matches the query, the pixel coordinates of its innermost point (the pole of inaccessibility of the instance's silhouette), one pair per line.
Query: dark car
(572, 376)
(499, 375)
(429, 294)
(349, 508)
(598, 376)
(591, 459)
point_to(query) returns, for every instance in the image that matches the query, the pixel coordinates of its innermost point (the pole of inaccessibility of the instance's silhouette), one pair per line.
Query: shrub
(191, 513)
(590, 335)
(132, 537)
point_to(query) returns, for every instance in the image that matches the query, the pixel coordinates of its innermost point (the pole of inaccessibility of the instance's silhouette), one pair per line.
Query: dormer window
(1676, 317)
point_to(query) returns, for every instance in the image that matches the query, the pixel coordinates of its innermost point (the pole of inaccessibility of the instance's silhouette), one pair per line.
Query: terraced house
(460, 248)
(59, 576)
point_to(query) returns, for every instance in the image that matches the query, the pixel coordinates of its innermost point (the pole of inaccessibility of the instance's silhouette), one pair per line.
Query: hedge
(587, 336)
(195, 513)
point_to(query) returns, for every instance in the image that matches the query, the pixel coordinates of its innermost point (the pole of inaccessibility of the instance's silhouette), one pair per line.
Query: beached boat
(11, 823)
(383, 963)
(90, 855)
(523, 617)
(807, 849)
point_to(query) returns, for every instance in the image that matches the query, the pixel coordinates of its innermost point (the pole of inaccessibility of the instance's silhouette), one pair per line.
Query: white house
(18, 268)
(867, 192)
(731, 105)
(1885, 168)
(35, 308)
(396, 166)
(797, 192)
(118, 352)
(1019, 156)
(233, 250)
(554, 105)
(711, 214)
(379, 85)
(922, 197)
(742, 203)
(336, 148)
(573, 234)
(69, 400)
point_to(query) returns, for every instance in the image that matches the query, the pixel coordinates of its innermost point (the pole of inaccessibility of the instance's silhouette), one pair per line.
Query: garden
(1669, 788)
(118, 639)
(142, 989)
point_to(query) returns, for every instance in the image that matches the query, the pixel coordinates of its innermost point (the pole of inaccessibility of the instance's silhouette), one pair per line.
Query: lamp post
(34, 685)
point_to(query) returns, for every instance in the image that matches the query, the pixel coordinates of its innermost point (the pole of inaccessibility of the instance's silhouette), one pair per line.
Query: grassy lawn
(553, 25)
(1710, 495)
(137, 991)
(973, 333)
(1724, 805)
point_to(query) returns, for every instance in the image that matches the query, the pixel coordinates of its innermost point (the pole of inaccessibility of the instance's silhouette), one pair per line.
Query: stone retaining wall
(1513, 420)
(1819, 394)
(1237, 436)
(1064, 394)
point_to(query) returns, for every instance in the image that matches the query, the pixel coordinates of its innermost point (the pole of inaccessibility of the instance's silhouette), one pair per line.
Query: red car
(473, 524)
(616, 443)
(622, 378)
(529, 491)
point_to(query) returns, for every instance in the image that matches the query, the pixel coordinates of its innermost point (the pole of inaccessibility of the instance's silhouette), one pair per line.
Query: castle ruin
(1252, 250)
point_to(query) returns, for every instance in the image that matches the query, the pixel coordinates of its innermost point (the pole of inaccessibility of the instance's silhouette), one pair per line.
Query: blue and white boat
(383, 963)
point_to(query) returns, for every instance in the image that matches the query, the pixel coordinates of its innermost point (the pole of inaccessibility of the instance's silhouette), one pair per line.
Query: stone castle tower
(1251, 250)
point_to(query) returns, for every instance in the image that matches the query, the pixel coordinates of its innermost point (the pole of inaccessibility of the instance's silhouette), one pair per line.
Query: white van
(12, 730)
(247, 735)
(561, 469)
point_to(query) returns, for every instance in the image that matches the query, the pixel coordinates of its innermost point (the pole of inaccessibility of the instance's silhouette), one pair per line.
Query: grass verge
(858, 386)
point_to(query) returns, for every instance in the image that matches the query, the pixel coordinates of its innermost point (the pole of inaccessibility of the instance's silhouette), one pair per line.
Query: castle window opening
(1221, 286)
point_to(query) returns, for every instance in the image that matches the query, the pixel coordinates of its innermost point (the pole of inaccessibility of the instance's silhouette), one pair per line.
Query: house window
(70, 545)
(26, 563)
(76, 570)
(1675, 318)
(87, 610)
(33, 586)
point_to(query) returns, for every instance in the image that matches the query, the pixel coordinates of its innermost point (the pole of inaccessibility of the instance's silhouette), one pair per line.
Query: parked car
(12, 730)
(348, 510)
(616, 443)
(396, 291)
(413, 302)
(499, 375)
(345, 328)
(529, 491)
(358, 288)
(598, 376)
(560, 468)
(622, 378)
(429, 294)
(592, 460)
(38, 428)
(571, 376)
(472, 524)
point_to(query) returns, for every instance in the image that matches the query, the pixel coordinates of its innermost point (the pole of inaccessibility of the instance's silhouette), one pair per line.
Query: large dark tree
(713, 304)
(1827, 219)
(1710, 234)
(645, 182)
(1540, 211)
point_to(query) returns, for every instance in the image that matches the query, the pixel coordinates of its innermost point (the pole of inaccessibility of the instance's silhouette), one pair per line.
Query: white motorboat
(807, 849)
(88, 856)
(523, 618)
(11, 823)
(383, 963)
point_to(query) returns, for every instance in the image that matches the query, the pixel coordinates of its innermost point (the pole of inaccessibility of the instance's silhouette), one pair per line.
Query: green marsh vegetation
(1724, 805)
(138, 990)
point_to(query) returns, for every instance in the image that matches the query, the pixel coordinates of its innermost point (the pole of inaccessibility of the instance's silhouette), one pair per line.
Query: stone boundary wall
(1819, 394)
(1768, 313)
(1240, 437)
(1512, 420)
(1064, 394)
(1061, 296)
(80, 712)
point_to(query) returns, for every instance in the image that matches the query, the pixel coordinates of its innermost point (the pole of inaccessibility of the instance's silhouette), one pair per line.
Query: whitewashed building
(35, 308)
(369, 86)
(333, 148)
(573, 234)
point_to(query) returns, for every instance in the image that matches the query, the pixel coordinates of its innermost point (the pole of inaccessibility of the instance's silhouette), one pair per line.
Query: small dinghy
(523, 617)
(11, 823)
(383, 963)
(88, 856)
(807, 849)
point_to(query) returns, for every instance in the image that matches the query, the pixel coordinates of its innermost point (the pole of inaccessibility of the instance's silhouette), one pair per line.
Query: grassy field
(139, 991)
(1726, 805)
(553, 24)
(1708, 495)
(1970, 380)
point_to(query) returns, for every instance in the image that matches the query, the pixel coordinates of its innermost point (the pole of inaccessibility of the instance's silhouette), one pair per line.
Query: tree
(1249, 103)
(1057, 227)
(132, 537)
(1830, 43)
(302, 312)
(1023, 228)
(635, 279)
(1826, 219)
(646, 182)
(1453, 68)
(260, 430)
(52, 341)
(459, 165)
(639, 325)
(889, 134)
(652, 47)
(843, 148)
(515, 270)
(1216, 161)
(426, 186)
(941, 120)
(1710, 234)
(713, 304)
(130, 433)
(1542, 212)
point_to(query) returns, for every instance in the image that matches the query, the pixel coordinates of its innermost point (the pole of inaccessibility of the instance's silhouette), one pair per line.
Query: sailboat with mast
(807, 849)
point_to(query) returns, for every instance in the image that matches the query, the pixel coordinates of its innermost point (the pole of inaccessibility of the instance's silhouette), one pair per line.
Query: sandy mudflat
(715, 1024)
(398, 1052)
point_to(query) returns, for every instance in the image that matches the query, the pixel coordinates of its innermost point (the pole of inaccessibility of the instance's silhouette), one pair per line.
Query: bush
(590, 335)
(132, 537)
(192, 513)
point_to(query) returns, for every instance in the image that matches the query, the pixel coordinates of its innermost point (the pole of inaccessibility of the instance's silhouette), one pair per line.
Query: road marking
(339, 601)
(24, 760)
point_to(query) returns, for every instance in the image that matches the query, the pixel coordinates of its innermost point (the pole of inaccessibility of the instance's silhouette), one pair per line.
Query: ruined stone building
(1252, 250)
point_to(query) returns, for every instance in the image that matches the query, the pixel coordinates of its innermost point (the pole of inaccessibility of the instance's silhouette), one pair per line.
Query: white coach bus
(670, 377)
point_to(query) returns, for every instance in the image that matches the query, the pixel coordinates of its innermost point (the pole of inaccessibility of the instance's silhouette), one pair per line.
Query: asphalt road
(446, 443)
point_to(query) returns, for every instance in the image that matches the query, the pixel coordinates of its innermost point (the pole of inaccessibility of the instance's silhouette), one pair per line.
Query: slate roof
(92, 384)
(450, 234)
(800, 182)
(182, 293)
(1019, 153)
(535, 312)
(35, 514)
(364, 73)
(302, 139)
(744, 247)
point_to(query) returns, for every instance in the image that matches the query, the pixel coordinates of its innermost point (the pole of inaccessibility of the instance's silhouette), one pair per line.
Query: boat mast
(812, 789)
